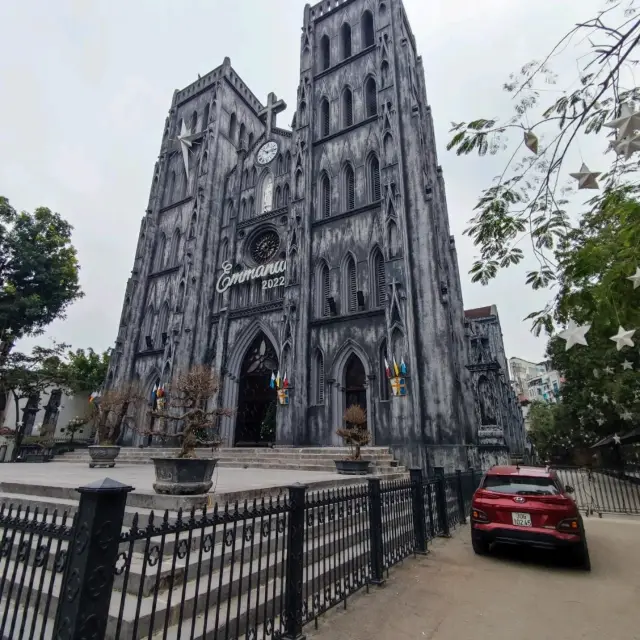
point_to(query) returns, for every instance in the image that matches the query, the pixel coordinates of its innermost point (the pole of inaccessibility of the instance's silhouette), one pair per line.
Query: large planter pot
(103, 456)
(183, 476)
(352, 467)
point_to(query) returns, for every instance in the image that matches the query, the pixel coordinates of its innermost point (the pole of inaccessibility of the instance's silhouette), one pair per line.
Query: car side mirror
(569, 489)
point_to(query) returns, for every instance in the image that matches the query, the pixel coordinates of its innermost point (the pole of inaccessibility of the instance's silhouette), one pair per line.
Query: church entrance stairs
(304, 459)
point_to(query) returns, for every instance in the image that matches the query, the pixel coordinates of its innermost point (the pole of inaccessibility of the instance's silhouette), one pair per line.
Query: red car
(527, 506)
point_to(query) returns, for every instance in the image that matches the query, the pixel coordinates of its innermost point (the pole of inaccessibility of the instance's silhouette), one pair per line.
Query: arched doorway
(355, 390)
(256, 416)
(153, 421)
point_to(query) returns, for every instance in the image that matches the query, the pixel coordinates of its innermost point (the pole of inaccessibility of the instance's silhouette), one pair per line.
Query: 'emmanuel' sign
(228, 279)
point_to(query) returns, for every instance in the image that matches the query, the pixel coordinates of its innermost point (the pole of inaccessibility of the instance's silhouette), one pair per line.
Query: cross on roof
(268, 114)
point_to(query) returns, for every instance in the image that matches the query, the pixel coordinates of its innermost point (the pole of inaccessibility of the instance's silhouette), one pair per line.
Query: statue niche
(486, 402)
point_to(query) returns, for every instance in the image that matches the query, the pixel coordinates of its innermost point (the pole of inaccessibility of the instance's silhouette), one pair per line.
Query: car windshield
(521, 485)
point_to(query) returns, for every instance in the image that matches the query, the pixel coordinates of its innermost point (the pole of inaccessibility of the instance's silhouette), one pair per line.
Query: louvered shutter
(371, 98)
(319, 379)
(325, 118)
(350, 188)
(375, 180)
(348, 108)
(326, 197)
(353, 287)
(381, 288)
(325, 291)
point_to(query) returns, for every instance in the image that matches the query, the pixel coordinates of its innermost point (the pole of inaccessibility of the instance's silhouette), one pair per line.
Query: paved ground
(453, 594)
(141, 477)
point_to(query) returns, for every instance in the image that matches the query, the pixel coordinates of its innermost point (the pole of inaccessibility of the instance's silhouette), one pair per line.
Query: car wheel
(480, 546)
(581, 557)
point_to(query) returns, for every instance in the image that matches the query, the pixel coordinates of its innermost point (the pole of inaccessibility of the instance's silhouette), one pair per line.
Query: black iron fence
(602, 490)
(253, 570)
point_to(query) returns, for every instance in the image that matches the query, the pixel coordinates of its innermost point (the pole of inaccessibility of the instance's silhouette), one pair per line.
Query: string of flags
(158, 397)
(282, 385)
(396, 376)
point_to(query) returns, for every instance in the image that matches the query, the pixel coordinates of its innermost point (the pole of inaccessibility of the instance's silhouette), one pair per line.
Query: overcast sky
(85, 87)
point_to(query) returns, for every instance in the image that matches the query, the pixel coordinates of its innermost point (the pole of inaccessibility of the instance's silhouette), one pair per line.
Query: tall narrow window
(349, 188)
(250, 140)
(318, 381)
(384, 383)
(192, 226)
(232, 128)
(347, 108)
(242, 133)
(159, 257)
(380, 287)
(324, 118)
(224, 251)
(345, 41)
(266, 202)
(194, 121)
(393, 239)
(302, 112)
(278, 198)
(244, 209)
(251, 209)
(374, 179)
(280, 164)
(324, 290)
(171, 189)
(325, 196)
(245, 179)
(325, 53)
(174, 253)
(285, 195)
(352, 286)
(205, 117)
(298, 185)
(370, 98)
(254, 177)
(163, 327)
(287, 162)
(181, 294)
(367, 29)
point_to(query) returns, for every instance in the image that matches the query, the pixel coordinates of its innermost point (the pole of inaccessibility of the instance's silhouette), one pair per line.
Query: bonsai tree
(355, 434)
(187, 401)
(111, 408)
(76, 424)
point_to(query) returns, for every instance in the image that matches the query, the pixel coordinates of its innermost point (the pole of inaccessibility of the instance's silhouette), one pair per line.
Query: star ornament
(586, 179)
(186, 139)
(626, 123)
(635, 278)
(626, 365)
(574, 334)
(623, 338)
(628, 146)
(616, 439)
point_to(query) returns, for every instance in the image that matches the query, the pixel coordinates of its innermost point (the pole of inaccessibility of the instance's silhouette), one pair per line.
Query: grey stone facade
(353, 202)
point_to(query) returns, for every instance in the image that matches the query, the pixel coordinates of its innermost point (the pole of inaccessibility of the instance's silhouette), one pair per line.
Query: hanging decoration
(396, 376)
(635, 278)
(626, 124)
(628, 147)
(627, 366)
(161, 398)
(586, 178)
(623, 338)
(531, 141)
(574, 334)
(282, 386)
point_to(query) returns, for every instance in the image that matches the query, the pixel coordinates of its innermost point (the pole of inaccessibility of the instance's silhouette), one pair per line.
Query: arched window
(242, 133)
(345, 41)
(349, 188)
(325, 196)
(374, 178)
(302, 112)
(325, 122)
(384, 382)
(298, 184)
(181, 293)
(174, 252)
(228, 212)
(232, 127)
(245, 179)
(278, 197)
(159, 257)
(266, 199)
(292, 266)
(325, 53)
(194, 121)
(387, 147)
(205, 161)
(324, 290)
(351, 285)
(163, 326)
(192, 226)
(367, 29)
(287, 162)
(393, 239)
(147, 327)
(318, 378)
(244, 209)
(250, 140)
(384, 73)
(251, 209)
(379, 292)
(205, 117)
(254, 177)
(171, 189)
(285, 195)
(224, 251)
(306, 59)
(280, 164)
(347, 108)
(370, 97)
(355, 381)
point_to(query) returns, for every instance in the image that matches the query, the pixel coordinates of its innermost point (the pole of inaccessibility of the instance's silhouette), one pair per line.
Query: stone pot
(183, 476)
(103, 455)
(352, 467)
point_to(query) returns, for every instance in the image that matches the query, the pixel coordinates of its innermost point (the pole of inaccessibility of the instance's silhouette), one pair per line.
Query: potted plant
(186, 403)
(355, 436)
(110, 410)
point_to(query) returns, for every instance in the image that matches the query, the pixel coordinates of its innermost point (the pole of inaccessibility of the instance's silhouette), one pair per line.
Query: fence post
(460, 492)
(85, 592)
(294, 564)
(375, 531)
(441, 501)
(419, 527)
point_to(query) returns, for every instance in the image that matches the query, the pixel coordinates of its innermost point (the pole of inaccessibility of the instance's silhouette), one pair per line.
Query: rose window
(265, 246)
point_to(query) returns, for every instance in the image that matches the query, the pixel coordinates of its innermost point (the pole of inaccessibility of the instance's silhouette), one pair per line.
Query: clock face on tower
(267, 152)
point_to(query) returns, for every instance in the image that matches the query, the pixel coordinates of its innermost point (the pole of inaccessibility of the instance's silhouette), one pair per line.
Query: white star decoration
(586, 179)
(626, 415)
(626, 365)
(635, 278)
(623, 338)
(608, 370)
(600, 421)
(616, 439)
(628, 146)
(626, 123)
(574, 334)
(186, 138)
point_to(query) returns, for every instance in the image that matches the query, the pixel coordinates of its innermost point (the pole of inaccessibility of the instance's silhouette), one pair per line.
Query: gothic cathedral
(313, 267)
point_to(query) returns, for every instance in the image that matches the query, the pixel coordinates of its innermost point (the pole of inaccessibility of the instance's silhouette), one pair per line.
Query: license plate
(521, 519)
